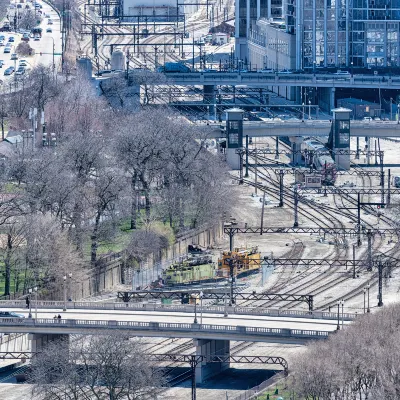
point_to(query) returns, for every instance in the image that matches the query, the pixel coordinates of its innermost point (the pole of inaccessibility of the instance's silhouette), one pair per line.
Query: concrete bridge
(261, 79)
(96, 306)
(378, 129)
(211, 333)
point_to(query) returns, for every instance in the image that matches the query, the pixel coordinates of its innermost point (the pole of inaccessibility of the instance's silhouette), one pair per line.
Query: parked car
(11, 39)
(10, 314)
(49, 30)
(1, 42)
(23, 63)
(50, 22)
(1, 63)
(342, 73)
(37, 37)
(25, 37)
(7, 49)
(9, 71)
(20, 70)
(14, 56)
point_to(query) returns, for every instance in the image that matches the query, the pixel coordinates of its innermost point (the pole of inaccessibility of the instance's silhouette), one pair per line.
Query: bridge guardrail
(269, 78)
(260, 311)
(161, 327)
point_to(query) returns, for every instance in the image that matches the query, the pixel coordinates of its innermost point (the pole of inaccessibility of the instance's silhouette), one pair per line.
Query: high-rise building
(340, 33)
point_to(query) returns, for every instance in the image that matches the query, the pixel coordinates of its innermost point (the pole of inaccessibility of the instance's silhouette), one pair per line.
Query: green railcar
(183, 273)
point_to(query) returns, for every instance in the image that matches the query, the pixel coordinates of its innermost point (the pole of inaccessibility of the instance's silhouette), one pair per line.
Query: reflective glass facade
(341, 33)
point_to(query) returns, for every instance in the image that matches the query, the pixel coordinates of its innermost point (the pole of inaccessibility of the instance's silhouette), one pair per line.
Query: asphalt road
(216, 319)
(44, 45)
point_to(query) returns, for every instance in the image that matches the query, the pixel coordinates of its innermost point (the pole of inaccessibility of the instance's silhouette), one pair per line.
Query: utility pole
(388, 186)
(281, 175)
(369, 249)
(262, 213)
(380, 269)
(231, 273)
(296, 204)
(246, 175)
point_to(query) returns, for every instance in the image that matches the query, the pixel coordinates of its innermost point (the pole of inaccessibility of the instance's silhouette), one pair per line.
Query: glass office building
(340, 33)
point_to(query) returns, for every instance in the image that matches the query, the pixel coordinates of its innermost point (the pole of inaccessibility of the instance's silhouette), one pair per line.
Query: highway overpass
(163, 329)
(173, 308)
(378, 129)
(254, 328)
(260, 79)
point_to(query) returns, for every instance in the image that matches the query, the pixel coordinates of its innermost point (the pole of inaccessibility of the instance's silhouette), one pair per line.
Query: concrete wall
(209, 348)
(110, 273)
(272, 47)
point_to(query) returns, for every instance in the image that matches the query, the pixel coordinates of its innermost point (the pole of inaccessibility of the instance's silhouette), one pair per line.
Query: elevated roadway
(378, 129)
(260, 79)
(172, 325)
(177, 308)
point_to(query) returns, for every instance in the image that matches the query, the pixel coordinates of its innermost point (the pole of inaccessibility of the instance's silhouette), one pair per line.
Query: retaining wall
(110, 273)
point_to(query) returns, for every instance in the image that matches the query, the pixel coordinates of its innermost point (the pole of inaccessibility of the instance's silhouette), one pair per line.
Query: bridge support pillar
(39, 340)
(341, 137)
(326, 98)
(296, 142)
(210, 98)
(234, 136)
(210, 348)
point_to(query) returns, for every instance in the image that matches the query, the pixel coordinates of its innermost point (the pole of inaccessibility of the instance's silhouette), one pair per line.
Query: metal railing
(285, 79)
(260, 311)
(157, 328)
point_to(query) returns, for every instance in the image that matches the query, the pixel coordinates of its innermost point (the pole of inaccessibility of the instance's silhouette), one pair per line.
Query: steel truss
(334, 190)
(184, 358)
(253, 152)
(187, 358)
(316, 230)
(191, 359)
(158, 294)
(349, 172)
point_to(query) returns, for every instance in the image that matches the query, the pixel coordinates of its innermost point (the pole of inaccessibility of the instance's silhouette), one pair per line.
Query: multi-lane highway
(43, 48)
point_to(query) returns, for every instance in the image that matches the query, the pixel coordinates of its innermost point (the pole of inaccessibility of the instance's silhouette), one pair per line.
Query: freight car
(199, 269)
(245, 262)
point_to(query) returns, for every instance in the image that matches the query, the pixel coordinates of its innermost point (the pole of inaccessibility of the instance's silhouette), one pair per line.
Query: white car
(342, 73)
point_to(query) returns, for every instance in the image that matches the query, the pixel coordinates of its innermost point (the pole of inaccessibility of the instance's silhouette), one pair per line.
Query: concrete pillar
(296, 142)
(234, 132)
(209, 97)
(39, 340)
(341, 137)
(332, 97)
(210, 348)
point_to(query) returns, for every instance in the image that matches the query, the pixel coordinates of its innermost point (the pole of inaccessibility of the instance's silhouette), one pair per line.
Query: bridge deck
(179, 325)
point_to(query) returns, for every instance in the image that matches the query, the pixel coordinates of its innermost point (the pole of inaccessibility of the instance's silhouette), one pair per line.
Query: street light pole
(195, 310)
(342, 313)
(69, 287)
(302, 120)
(54, 50)
(36, 295)
(368, 309)
(201, 307)
(338, 316)
(365, 291)
(391, 109)
(65, 293)
(30, 303)
(309, 109)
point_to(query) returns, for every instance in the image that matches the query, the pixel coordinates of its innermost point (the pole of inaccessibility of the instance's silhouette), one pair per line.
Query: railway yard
(330, 245)
(330, 281)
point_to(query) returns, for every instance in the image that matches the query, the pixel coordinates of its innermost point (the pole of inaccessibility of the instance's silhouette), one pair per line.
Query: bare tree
(29, 19)
(110, 366)
(360, 362)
